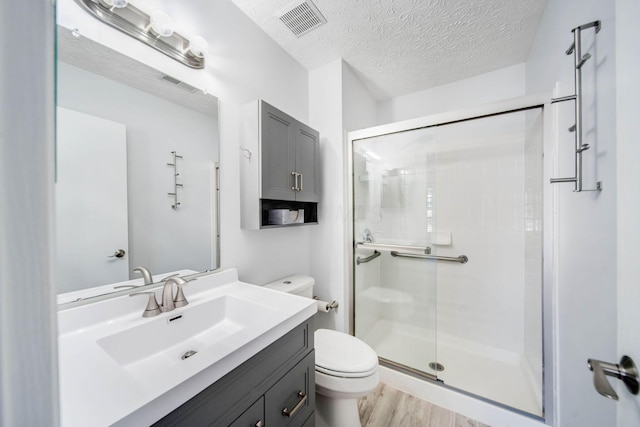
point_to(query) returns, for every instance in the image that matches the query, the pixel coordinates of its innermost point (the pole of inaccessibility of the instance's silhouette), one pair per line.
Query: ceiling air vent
(178, 83)
(301, 17)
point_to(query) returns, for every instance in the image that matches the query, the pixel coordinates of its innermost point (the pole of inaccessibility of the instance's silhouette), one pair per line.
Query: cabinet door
(292, 399)
(278, 153)
(252, 417)
(307, 161)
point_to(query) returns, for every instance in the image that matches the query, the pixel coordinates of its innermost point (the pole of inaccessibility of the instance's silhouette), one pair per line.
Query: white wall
(326, 243)
(244, 64)
(628, 153)
(160, 238)
(338, 102)
(586, 229)
(359, 107)
(28, 358)
(489, 87)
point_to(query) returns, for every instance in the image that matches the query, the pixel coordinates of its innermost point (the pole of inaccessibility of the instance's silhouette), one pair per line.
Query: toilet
(346, 367)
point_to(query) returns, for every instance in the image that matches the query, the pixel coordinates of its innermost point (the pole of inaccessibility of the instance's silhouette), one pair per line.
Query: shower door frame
(549, 242)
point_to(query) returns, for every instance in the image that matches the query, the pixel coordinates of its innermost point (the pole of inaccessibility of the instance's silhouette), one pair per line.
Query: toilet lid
(343, 355)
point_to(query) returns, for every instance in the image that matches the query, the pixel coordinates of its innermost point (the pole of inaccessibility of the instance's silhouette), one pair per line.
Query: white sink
(194, 328)
(117, 367)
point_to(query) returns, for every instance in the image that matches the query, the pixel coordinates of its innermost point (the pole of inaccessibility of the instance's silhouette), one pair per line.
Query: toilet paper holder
(329, 305)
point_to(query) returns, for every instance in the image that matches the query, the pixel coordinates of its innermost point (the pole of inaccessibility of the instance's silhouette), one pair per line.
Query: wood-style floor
(388, 407)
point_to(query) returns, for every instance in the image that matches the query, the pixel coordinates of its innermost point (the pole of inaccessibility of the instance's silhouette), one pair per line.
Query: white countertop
(96, 390)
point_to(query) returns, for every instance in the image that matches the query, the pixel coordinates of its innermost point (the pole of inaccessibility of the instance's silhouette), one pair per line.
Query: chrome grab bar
(387, 246)
(374, 255)
(462, 259)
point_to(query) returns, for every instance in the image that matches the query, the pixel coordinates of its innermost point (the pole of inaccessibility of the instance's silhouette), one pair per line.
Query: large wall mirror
(136, 170)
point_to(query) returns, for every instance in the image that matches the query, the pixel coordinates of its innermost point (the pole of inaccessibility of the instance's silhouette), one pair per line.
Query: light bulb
(118, 4)
(198, 46)
(161, 24)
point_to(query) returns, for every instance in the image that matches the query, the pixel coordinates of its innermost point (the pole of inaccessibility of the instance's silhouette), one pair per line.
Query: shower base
(498, 375)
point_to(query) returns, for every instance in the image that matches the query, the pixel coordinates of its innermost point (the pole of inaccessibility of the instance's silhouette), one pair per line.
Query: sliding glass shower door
(448, 253)
(394, 185)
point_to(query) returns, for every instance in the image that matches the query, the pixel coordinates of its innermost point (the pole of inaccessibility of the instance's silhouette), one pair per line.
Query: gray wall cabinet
(260, 392)
(279, 167)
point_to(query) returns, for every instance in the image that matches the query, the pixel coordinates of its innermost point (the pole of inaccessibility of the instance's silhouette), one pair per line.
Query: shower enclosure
(447, 237)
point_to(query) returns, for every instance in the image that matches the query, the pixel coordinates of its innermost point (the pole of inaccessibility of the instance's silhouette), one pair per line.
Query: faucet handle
(152, 309)
(180, 300)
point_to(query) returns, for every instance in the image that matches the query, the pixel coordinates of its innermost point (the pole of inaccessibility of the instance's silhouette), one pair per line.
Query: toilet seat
(342, 355)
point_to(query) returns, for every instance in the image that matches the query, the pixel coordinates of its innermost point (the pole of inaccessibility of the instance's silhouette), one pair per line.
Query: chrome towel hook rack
(580, 147)
(174, 194)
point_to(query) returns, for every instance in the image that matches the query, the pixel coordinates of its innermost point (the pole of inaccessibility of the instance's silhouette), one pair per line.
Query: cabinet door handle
(301, 186)
(295, 181)
(290, 413)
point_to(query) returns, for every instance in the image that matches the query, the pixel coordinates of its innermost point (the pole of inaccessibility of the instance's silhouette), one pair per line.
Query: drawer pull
(303, 399)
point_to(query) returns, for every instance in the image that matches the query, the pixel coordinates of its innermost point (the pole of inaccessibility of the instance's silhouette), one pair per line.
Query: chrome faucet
(146, 274)
(168, 301)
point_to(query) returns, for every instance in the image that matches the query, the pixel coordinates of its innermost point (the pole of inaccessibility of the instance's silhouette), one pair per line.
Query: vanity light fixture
(198, 46)
(118, 4)
(161, 24)
(155, 30)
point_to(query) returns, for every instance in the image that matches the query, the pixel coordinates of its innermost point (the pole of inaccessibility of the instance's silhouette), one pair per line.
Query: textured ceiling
(402, 46)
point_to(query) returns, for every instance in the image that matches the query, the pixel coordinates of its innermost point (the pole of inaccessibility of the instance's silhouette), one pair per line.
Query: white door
(91, 201)
(628, 155)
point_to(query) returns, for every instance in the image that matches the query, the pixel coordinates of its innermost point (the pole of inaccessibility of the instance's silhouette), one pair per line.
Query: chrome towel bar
(462, 259)
(373, 256)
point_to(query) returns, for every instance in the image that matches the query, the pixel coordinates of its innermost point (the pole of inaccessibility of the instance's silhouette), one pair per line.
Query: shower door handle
(625, 371)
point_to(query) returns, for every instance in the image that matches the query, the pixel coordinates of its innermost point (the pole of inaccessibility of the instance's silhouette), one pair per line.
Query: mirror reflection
(136, 170)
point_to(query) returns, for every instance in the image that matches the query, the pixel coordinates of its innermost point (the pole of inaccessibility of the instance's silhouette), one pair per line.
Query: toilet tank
(296, 284)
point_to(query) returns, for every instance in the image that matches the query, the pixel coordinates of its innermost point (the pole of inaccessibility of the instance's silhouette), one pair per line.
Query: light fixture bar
(134, 22)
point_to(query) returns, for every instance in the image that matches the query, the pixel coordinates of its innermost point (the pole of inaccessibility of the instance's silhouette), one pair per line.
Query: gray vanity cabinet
(252, 416)
(279, 167)
(275, 388)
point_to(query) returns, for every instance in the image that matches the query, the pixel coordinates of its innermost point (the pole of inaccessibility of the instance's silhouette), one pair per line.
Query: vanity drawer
(252, 417)
(292, 399)
(223, 402)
